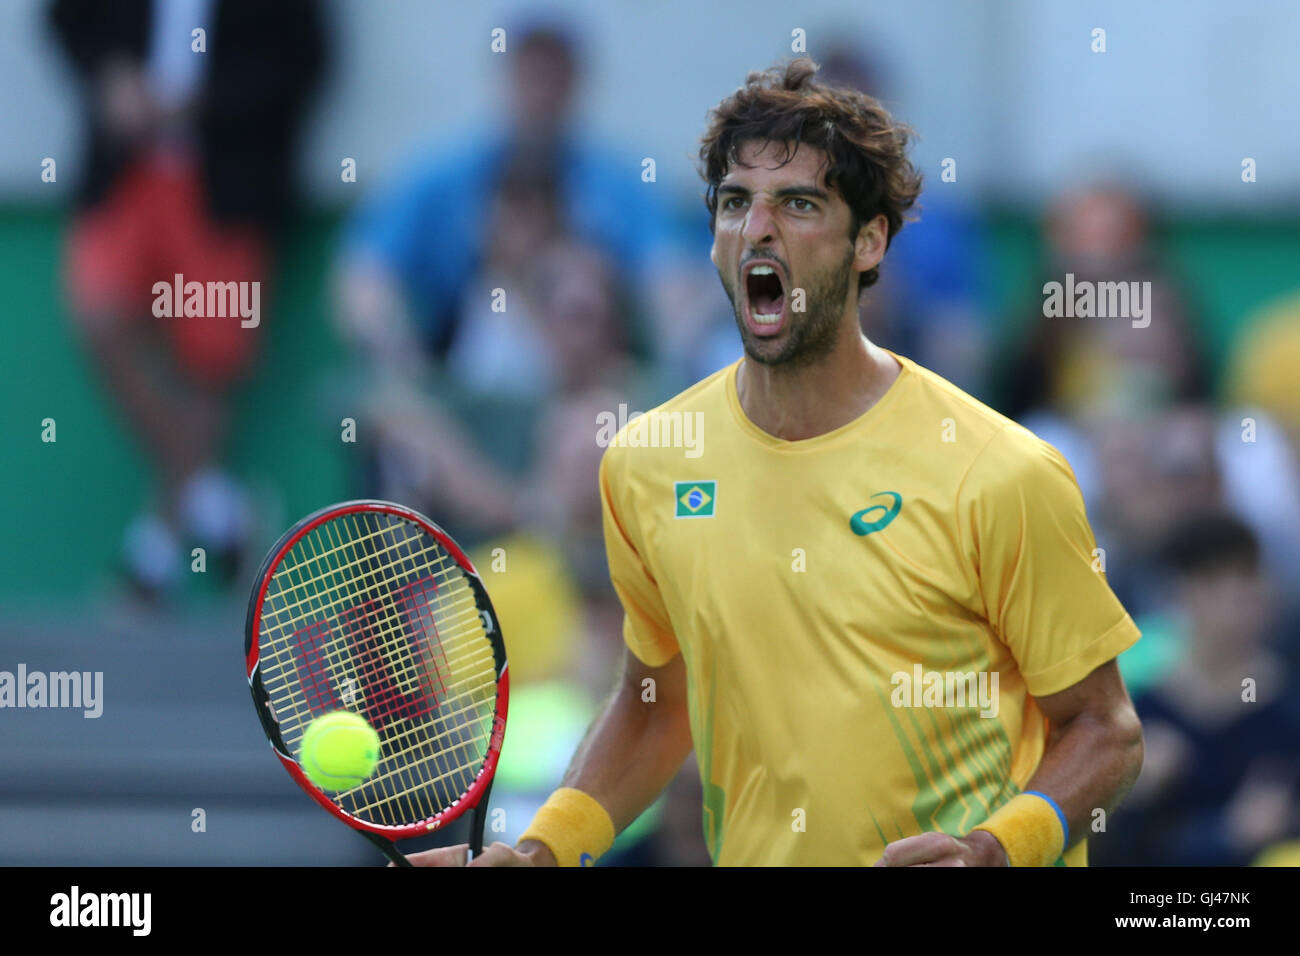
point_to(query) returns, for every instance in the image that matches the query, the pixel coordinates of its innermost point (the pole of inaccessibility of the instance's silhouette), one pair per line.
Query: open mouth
(766, 296)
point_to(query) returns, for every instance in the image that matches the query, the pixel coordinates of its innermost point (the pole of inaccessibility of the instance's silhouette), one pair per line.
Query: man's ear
(870, 244)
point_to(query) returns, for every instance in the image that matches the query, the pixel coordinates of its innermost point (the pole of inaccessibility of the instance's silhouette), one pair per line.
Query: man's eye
(806, 204)
(733, 202)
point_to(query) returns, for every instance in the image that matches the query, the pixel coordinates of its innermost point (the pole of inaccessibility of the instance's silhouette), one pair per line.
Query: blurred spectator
(1262, 373)
(1158, 471)
(186, 174)
(497, 346)
(1259, 439)
(489, 462)
(1080, 368)
(1221, 778)
(472, 288)
(436, 236)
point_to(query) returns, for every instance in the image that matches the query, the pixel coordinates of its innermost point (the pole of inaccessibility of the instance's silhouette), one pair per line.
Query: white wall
(1010, 89)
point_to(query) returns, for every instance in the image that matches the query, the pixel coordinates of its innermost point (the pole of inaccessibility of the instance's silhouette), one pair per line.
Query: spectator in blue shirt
(413, 250)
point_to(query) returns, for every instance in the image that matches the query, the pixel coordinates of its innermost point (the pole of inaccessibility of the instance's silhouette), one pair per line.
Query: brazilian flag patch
(695, 499)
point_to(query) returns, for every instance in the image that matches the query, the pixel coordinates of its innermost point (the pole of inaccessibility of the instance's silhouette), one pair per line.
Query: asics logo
(877, 516)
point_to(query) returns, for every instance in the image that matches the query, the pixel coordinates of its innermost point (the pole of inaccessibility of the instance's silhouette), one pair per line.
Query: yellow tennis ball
(339, 751)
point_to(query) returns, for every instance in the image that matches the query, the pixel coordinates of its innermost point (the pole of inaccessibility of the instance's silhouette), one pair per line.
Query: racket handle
(477, 821)
(387, 848)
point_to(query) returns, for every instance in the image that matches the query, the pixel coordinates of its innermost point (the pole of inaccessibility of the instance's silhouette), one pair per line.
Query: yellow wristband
(1029, 829)
(574, 827)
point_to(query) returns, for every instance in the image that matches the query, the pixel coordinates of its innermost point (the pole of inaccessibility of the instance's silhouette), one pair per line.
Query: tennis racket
(370, 607)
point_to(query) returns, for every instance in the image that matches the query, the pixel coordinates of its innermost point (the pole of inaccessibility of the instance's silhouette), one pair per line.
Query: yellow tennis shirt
(863, 615)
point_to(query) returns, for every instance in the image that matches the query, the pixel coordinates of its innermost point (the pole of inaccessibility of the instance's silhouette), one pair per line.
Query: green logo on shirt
(881, 515)
(695, 498)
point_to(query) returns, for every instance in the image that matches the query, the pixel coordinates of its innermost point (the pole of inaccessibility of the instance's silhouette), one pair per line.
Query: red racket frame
(476, 796)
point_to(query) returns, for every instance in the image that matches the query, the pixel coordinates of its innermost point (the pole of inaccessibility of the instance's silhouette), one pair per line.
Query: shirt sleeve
(1043, 585)
(646, 627)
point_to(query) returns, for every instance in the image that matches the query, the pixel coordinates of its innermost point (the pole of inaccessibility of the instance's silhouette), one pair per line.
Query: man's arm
(636, 746)
(1094, 748)
(1091, 760)
(630, 754)
(1025, 527)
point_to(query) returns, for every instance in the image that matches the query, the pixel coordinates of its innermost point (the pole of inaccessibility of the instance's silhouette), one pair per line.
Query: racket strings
(321, 626)
(344, 569)
(480, 649)
(450, 714)
(332, 610)
(413, 741)
(394, 784)
(371, 605)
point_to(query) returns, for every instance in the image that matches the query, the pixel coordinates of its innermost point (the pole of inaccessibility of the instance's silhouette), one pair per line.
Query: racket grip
(477, 821)
(387, 848)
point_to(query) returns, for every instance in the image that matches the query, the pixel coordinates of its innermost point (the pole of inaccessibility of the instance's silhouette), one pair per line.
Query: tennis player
(872, 605)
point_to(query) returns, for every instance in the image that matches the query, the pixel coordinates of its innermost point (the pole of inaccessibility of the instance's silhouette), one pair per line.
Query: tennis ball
(339, 750)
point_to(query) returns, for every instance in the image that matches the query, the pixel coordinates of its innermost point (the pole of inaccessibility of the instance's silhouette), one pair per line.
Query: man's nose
(758, 224)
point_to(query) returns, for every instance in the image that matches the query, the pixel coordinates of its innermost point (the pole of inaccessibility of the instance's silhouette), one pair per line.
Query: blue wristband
(1065, 827)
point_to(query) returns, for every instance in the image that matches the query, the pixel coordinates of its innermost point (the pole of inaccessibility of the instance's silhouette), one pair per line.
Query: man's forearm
(632, 750)
(1090, 763)
(631, 753)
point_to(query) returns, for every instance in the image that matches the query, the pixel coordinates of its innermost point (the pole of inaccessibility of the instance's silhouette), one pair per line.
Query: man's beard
(810, 335)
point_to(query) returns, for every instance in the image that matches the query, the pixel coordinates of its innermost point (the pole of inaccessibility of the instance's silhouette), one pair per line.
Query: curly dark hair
(866, 147)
